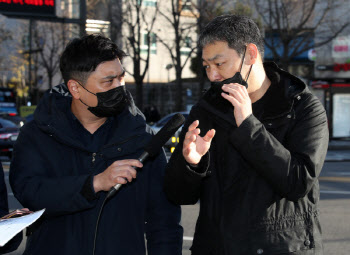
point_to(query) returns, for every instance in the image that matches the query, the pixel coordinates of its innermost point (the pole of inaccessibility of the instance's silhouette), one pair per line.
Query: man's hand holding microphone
(120, 172)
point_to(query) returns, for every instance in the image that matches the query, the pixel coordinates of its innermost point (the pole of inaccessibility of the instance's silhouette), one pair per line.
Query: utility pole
(30, 51)
(30, 58)
(82, 17)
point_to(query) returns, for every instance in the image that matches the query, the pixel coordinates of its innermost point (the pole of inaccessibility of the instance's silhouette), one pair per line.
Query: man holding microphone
(85, 138)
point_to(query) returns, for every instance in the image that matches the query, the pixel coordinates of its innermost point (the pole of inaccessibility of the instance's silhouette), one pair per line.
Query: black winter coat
(51, 167)
(258, 184)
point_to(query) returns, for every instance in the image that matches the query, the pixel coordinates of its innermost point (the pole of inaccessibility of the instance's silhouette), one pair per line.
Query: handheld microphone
(156, 143)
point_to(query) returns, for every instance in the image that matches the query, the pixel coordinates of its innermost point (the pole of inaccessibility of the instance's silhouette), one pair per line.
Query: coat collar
(284, 88)
(52, 117)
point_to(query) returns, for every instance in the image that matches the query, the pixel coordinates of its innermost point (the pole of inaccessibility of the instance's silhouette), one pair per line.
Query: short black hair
(236, 30)
(82, 55)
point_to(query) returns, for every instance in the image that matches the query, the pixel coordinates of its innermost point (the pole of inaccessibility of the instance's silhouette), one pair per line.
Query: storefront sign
(335, 68)
(341, 115)
(341, 67)
(341, 47)
(311, 54)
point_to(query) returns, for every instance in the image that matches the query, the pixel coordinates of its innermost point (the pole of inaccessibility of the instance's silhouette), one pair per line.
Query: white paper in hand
(11, 227)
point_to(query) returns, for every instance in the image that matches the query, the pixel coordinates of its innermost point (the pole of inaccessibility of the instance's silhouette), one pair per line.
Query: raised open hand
(195, 146)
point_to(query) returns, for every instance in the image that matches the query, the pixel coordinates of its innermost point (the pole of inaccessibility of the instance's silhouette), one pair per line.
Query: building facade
(106, 17)
(332, 78)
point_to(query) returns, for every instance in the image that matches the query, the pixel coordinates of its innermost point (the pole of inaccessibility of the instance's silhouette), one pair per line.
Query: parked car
(8, 136)
(173, 141)
(13, 117)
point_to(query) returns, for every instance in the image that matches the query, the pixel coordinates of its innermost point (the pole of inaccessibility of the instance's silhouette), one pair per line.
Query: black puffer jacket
(259, 186)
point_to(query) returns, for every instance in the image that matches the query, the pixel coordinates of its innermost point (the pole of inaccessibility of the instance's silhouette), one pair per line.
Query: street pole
(30, 58)
(82, 17)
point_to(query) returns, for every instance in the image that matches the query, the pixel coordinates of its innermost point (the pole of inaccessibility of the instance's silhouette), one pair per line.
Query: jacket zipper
(93, 158)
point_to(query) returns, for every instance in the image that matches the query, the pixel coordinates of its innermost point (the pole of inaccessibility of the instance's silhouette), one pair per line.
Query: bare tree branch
(292, 26)
(49, 38)
(138, 24)
(182, 24)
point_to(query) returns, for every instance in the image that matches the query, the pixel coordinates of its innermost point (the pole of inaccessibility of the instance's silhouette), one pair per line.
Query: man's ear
(251, 54)
(73, 88)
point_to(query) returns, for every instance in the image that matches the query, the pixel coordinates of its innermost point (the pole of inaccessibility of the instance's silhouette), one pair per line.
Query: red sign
(336, 67)
(341, 67)
(30, 8)
(341, 48)
(30, 2)
(317, 85)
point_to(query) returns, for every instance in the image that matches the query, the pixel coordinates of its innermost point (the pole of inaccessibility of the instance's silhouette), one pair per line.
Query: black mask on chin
(213, 95)
(109, 103)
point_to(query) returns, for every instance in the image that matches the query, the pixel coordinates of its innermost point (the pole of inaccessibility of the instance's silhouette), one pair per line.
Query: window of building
(98, 26)
(188, 42)
(152, 3)
(186, 5)
(187, 46)
(153, 43)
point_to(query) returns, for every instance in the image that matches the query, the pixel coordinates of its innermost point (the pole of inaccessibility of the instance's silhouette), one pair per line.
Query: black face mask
(213, 96)
(109, 103)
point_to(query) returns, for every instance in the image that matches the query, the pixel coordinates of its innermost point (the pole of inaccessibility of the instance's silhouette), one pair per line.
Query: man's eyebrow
(214, 58)
(114, 76)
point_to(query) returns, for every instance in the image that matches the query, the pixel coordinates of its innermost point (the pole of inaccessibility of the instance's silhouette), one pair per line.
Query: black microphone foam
(164, 134)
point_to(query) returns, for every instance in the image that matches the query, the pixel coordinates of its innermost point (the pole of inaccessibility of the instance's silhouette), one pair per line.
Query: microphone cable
(97, 222)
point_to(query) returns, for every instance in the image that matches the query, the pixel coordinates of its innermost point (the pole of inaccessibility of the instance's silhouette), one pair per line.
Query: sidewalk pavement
(338, 150)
